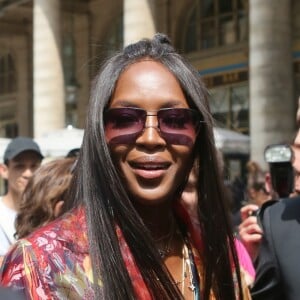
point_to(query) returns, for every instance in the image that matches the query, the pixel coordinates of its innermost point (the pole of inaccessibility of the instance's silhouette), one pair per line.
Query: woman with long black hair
(127, 236)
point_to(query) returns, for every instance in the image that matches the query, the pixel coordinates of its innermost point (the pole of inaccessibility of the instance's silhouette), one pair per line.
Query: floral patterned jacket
(54, 263)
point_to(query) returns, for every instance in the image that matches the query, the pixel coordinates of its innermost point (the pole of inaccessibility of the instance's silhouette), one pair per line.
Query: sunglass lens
(123, 125)
(178, 125)
(125, 118)
(177, 119)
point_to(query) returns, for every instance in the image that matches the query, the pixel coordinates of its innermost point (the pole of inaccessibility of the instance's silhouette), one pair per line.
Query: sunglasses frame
(173, 136)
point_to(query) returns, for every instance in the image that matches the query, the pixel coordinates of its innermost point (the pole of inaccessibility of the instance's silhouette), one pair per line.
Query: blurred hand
(189, 197)
(249, 231)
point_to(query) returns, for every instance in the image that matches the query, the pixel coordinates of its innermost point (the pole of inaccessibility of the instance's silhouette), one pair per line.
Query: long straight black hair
(98, 186)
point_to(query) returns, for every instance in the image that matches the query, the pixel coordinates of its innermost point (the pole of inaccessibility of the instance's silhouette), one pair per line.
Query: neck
(157, 218)
(11, 200)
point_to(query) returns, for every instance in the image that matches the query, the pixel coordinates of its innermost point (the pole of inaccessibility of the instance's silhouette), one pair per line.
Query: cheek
(14, 175)
(119, 154)
(183, 156)
(182, 163)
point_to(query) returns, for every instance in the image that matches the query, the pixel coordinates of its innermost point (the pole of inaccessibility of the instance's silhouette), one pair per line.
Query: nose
(28, 172)
(150, 137)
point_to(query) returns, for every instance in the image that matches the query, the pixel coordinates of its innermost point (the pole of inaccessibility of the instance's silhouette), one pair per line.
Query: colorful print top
(54, 263)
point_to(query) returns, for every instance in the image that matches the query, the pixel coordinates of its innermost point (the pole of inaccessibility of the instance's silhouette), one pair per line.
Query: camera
(253, 213)
(279, 157)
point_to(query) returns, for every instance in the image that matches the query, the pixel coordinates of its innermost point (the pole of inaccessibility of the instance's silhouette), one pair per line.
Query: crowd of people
(141, 211)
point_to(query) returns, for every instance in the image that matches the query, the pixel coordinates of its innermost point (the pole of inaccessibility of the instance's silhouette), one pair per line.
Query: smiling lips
(149, 168)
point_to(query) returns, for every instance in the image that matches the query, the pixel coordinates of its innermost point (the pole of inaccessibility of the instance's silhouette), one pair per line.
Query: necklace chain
(186, 270)
(166, 249)
(164, 242)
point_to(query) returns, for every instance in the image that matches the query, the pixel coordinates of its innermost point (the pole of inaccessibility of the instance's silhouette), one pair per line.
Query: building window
(110, 43)
(7, 75)
(215, 23)
(8, 95)
(230, 107)
(11, 130)
(113, 40)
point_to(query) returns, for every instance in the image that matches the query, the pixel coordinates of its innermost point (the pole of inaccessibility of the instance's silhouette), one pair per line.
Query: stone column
(24, 108)
(272, 108)
(138, 20)
(48, 80)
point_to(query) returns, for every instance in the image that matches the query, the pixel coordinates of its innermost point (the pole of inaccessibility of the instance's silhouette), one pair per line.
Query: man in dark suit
(278, 263)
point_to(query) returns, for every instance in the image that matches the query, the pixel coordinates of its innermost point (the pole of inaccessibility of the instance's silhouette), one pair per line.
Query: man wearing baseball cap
(21, 158)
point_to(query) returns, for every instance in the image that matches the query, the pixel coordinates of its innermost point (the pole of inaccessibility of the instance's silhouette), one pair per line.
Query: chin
(21, 189)
(150, 199)
(151, 192)
(150, 202)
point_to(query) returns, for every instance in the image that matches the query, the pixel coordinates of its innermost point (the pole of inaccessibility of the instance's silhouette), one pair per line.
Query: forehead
(26, 157)
(148, 84)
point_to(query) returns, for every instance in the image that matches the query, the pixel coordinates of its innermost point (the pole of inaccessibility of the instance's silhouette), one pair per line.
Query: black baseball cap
(19, 145)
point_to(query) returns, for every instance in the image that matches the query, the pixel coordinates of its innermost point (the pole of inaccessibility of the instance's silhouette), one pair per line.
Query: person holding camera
(260, 194)
(278, 265)
(277, 183)
(276, 237)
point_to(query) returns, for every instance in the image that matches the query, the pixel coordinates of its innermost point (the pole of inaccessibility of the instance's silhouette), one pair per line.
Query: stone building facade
(248, 52)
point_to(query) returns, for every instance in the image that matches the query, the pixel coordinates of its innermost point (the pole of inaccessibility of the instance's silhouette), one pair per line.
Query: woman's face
(151, 168)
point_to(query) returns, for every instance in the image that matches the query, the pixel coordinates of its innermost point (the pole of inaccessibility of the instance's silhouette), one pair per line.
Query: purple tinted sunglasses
(177, 126)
